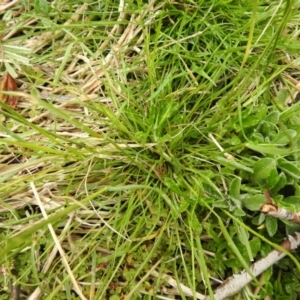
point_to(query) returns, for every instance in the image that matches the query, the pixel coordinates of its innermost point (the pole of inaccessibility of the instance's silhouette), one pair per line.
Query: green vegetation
(144, 138)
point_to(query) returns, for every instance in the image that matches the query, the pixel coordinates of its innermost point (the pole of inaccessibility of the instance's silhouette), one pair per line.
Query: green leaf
(220, 204)
(243, 235)
(203, 266)
(183, 207)
(194, 223)
(291, 228)
(293, 200)
(258, 137)
(273, 117)
(202, 73)
(268, 149)
(268, 289)
(284, 137)
(41, 6)
(272, 179)
(282, 95)
(235, 249)
(239, 212)
(234, 187)
(254, 203)
(234, 140)
(278, 287)
(173, 186)
(289, 168)
(258, 220)
(141, 137)
(263, 169)
(280, 183)
(250, 121)
(233, 164)
(271, 225)
(10, 70)
(232, 263)
(2, 26)
(255, 245)
(164, 139)
(176, 164)
(265, 128)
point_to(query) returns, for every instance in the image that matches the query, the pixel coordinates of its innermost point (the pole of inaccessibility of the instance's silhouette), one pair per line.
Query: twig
(236, 282)
(15, 292)
(4, 8)
(268, 197)
(280, 213)
(227, 155)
